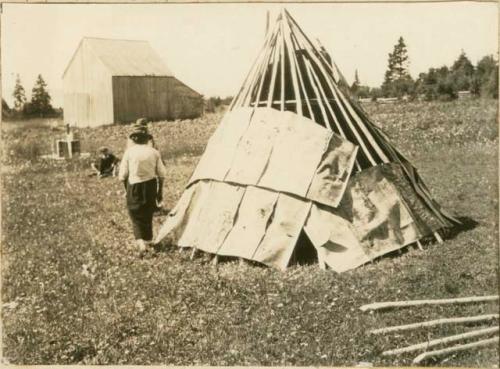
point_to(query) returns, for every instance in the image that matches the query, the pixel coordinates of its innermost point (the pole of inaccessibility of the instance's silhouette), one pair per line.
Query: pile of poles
(431, 323)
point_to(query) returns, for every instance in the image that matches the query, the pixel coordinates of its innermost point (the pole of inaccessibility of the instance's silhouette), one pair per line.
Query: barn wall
(75, 96)
(87, 91)
(99, 87)
(156, 98)
(185, 102)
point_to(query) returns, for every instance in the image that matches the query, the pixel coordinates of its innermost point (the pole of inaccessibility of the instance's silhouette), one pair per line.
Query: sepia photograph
(250, 184)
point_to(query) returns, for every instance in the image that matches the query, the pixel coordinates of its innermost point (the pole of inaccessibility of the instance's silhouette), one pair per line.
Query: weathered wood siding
(87, 91)
(185, 102)
(153, 97)
(96, 93)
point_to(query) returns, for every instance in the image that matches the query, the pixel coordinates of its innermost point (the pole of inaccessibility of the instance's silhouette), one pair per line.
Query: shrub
(28, 149)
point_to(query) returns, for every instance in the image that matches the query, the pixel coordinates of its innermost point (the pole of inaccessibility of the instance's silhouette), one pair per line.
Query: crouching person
(106, 164)
(142, 172)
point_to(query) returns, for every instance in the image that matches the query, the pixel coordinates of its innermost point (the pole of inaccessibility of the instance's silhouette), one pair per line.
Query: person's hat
(142, 122)
(103, 149)
(139, 130)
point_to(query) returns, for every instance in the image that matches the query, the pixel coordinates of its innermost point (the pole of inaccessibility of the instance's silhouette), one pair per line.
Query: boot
(141, 246)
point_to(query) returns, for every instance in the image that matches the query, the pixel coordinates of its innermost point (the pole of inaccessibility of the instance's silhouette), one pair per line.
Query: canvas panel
(332, 175)
(201, 193)
(296, 154)
(425, 220)
(278, 243)
(254, 212)
(254, 148)
(218, 156)
(399, 226)
(178, 217)
(281, 151)
(217, 216)
(380, 218)
(334, 239)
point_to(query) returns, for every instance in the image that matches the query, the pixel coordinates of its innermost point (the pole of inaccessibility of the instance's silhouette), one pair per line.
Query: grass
(73, 290)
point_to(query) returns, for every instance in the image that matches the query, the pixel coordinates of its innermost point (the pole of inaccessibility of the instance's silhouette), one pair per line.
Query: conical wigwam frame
(296, 164)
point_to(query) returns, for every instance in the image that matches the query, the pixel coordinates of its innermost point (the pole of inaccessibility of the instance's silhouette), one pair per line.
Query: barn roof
(127, 57)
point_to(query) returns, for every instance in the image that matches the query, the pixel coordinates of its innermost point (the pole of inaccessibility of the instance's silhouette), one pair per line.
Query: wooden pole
(240, 95)
(293, 67)
(301, 78)
(258, 73)
(391, 304)
(254, 73)
(69, 141)
(316, 85)
(310, 42)
(265, 64)
(274, 72)
(192, 253)
(438, 237)
(282, 68)
(440, 341)
(359, 122)
(419, 245)
(449, 350)
(314, 58)
(431, 323)
(267, 22)
(339, 97)
(215, 260)
(321, 258)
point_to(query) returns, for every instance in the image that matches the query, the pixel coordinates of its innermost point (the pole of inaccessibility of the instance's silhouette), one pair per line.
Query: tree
(462, 72)
(355, 85)
(436, 84)
(490, 86)
(376, 93)
(6, 112)
(358, 90)
(213, 103)
(397, 80)
(5, 106)
(485, 80)
(19, 96)
(40, 98)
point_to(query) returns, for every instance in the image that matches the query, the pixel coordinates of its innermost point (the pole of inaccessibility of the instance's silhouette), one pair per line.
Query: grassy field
(73, 290)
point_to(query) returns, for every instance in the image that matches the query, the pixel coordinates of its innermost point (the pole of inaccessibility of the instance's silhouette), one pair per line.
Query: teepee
(296, 161)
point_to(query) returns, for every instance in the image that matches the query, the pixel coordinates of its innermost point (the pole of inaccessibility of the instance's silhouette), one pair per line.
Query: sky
(211, 47)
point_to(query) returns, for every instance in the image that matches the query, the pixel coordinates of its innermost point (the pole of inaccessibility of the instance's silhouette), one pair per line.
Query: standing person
(142, 172)
(143, 122)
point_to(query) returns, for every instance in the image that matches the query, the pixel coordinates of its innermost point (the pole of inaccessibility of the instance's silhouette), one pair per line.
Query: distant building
(117, 81)
(365, 99)
(387, 100)
(464, 94)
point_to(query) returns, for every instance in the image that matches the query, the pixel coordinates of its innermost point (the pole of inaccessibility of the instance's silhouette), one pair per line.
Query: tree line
(213, 103)
(442, 83)
(38, 106)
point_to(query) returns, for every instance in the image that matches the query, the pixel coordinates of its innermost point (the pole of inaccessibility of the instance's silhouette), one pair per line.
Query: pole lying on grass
(438, 237)
(436, 342)
(391, 304)
(431, 323)
(456, 348)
